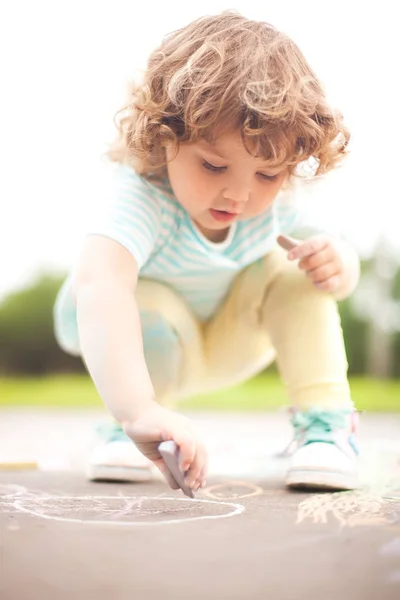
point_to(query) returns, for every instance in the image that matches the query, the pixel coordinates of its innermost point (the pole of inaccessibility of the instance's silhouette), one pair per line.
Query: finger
(187, 449)
(201, 480)
(330, 285)
(160, 464)
(323, 273)
(308, 248)
(203, 476)
(316, 260)
(193, 476)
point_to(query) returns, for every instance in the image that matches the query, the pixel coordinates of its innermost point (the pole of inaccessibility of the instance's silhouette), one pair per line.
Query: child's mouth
(222, 215)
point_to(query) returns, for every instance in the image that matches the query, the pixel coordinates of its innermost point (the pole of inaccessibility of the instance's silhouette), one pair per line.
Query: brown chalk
(286, 242)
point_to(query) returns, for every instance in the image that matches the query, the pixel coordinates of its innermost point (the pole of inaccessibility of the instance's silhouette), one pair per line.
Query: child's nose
(238, 195)
(237, 207)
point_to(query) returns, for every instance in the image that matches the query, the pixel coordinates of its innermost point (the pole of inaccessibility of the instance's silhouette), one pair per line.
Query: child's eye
(213, 168)
(268, 177)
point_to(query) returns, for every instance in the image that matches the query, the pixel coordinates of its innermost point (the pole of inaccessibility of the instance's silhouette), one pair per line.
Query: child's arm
(109, 326)
(111, 344)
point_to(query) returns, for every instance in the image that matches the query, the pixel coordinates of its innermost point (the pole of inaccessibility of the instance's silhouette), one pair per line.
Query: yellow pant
(272, 312)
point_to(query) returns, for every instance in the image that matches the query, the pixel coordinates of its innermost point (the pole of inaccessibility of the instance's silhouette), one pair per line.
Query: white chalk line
(11, 490)
(236, 510)
(14, 502)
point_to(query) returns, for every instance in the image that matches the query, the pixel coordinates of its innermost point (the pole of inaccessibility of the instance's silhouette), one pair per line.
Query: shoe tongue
(111, 432)
(316, 425)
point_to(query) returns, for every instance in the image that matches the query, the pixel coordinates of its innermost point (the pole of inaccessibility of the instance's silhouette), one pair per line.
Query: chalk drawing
(8, 493)
(11, 490)
(137, 511)
(350, 509)
(230, 490)
(120, 510)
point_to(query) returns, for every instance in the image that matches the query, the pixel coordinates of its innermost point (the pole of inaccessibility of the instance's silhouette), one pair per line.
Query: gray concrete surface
(243, 537)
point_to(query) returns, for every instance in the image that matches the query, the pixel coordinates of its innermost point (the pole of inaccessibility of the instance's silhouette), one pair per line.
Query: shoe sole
(321, 480)
(118, 473)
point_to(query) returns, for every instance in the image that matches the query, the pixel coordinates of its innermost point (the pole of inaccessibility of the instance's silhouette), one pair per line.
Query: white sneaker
(326, 455)
(116, 458)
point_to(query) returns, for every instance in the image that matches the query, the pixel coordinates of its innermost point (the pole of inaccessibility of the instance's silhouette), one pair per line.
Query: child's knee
(293, 303)
(162, 352)
(295, 282)
(285, 279)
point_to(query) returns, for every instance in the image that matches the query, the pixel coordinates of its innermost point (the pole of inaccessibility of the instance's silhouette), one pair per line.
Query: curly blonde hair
(223, 73)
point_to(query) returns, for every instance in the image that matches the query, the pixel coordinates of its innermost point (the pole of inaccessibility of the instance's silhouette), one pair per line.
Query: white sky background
(64, 68)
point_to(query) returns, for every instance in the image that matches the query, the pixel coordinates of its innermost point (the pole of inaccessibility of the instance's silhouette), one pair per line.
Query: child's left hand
(322, 260)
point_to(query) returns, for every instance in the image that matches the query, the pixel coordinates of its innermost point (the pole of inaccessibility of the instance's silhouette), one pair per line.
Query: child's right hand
(156, 424)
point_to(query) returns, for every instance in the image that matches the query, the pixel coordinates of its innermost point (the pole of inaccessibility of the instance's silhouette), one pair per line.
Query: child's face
(222, 183)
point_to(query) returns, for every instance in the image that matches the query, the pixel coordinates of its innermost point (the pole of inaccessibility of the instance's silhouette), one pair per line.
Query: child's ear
(170, 150)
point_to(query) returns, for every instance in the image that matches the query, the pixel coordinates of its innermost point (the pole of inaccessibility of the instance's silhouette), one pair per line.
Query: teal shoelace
(317, 425)
(112, 432)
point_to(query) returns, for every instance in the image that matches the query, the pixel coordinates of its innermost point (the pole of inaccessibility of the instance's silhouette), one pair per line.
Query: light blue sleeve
(131, 212)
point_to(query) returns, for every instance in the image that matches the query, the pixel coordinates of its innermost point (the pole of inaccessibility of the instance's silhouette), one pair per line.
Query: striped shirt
(167, 246)
(148, 221)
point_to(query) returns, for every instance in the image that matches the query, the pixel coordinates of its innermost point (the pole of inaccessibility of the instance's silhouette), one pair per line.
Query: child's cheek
(206, 190)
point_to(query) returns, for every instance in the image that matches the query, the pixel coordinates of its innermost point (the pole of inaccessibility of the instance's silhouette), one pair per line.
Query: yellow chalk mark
(217, 490)
(18, 466)
(351, 509)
